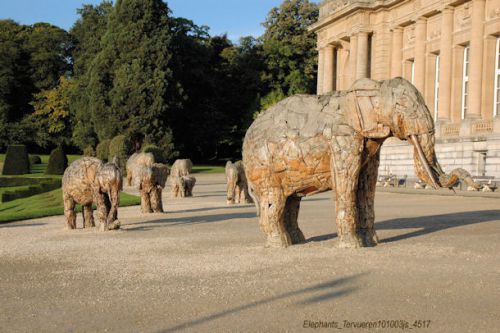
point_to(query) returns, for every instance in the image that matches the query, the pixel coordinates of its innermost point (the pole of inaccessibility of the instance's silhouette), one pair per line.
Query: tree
(289, 50)
(52, 114)
(130, 85)
(86, 33)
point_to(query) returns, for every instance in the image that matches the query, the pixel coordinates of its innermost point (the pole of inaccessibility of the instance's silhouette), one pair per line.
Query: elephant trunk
(429, 170)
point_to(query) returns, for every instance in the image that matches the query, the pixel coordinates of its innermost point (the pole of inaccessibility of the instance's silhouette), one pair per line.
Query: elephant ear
(364, 102)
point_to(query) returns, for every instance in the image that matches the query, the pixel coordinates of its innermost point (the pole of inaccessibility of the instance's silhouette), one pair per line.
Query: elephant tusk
(423, 160)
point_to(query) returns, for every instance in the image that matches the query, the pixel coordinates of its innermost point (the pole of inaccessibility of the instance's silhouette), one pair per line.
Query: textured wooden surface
(310, 144)
(237, 185)
(87, 181)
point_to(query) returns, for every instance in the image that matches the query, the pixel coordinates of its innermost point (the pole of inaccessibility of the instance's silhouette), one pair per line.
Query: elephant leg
(88, 216)
(237, 194)
(246, 195)
(156, 200)
(346, 165)
(69, 212)
(292, 208)
(114, 202)
(102, 204)
(366, 201)
(272, 219)
(146, 203)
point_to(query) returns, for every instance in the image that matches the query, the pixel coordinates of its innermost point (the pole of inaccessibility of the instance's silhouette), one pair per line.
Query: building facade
(450, 50)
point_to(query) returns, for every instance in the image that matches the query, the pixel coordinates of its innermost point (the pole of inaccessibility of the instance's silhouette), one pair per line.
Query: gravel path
(202, 267)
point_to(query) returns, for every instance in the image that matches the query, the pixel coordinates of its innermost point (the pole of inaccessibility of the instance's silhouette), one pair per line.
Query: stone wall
(480, 156)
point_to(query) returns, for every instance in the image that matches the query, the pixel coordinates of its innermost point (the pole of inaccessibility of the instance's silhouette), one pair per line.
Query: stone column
(476, 59)
(340, 68)
(397, 52)
(328, 70)
(420, 45)
(445, 64)
(321, 70)
(353, 57)
(362, 56)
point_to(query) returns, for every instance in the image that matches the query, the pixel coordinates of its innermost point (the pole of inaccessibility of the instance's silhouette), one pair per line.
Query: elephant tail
(254, 198)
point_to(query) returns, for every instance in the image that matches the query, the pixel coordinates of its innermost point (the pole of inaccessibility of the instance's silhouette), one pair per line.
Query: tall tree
(130, 84)
(86, 33)
(289, 50)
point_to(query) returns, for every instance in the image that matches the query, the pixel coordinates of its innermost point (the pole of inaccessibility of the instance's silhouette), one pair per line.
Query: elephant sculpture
(87, 181)
(237, 187)
(181, 167)
(182, 186)
(310, 144)
(135, 161)
(151, 181)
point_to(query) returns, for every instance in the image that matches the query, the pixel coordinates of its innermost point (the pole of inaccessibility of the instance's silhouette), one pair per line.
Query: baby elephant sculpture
(87, 181)
(181, 168)
(310, 144)
(135, 161)
(151, 181)
(237, 187)
(182, 186)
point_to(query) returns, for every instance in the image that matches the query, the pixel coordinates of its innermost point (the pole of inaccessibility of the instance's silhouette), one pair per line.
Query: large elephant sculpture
(135, 161)
(310, 144)
(89, 181)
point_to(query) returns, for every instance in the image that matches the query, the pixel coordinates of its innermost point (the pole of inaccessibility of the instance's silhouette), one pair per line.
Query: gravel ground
(203, 267)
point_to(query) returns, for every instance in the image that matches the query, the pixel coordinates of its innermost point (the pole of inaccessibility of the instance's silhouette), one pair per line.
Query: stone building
(449, 49)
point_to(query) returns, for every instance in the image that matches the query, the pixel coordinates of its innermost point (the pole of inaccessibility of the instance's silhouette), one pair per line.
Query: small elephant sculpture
(138, 160)
(151, 181)
(310, 144)
(181, 167)
(182, 186)
(87, 181)
(237, 187)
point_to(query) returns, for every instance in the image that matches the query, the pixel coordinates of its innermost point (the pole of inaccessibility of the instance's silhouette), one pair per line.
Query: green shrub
(58, 162)
(156, 151)
(39, 185)
(35, 159)
(16, 181)
(120, 147)
(89, 151)
(16, 161)
(102, 150)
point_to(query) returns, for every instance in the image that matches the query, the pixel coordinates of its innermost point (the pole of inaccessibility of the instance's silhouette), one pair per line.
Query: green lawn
(46, 204)
(208, 169)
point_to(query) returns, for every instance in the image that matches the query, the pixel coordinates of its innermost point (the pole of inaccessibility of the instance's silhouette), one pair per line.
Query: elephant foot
(349, 241)
(281, 240)
(230, 202)
(369, 237)
(110, 226)
(297, 236)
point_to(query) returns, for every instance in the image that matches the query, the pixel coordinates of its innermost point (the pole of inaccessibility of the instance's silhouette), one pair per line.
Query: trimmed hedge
(102, 150)
(120, 147)
(16, 161)
(58, 162)
(35, 159)
(157, 153)
(34, 186)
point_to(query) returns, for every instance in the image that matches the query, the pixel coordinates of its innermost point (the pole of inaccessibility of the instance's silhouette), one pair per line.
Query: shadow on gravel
(329, 290)
(430, 224)
(425, 224)
(187, 220)
(4, 226)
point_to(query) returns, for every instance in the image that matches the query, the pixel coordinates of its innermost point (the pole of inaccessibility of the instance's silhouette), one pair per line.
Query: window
(465, 82)
(436, 89)
(496, 93)
(412, 72)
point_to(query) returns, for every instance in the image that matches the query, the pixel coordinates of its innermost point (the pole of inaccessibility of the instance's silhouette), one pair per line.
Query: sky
(237, 18)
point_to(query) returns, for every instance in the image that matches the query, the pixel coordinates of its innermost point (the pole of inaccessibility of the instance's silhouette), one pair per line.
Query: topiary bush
(120, 147)
(58, 162)
(89, 151)
(35, 186)
(156, 151)
(102, 150)
(35, 159)
(16, 160)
